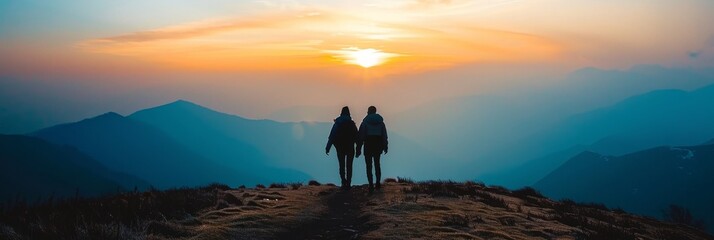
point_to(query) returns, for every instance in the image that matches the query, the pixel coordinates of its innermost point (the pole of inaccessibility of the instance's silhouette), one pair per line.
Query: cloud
(313, 38)
(192, 30)
(441, 7)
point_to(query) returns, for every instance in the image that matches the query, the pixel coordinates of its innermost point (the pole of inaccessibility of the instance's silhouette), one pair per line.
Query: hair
(371, 110)
(345, 111)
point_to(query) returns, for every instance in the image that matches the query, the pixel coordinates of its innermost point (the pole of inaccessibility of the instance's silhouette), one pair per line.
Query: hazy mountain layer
(126, 145)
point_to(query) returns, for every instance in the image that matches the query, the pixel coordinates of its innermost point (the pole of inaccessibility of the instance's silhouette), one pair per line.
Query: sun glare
(366, 58)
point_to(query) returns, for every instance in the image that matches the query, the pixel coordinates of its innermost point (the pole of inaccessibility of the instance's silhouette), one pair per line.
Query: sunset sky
(63, 60)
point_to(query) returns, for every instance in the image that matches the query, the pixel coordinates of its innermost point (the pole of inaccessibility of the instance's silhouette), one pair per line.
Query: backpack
(346, 132)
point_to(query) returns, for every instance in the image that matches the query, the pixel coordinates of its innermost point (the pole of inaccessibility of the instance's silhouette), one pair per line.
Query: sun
(366, 58)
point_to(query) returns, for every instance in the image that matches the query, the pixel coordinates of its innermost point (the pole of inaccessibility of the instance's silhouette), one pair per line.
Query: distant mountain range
(137, 148)
(497, 133)
(663, 117)
(185, 144)
(32, 168)
(239, 142)
(643, 182)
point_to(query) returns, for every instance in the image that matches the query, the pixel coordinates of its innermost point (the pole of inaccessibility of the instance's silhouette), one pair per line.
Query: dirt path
(342, 220)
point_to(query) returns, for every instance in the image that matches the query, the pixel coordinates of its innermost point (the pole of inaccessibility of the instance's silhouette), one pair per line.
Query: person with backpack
(373, 135)
(344, 136)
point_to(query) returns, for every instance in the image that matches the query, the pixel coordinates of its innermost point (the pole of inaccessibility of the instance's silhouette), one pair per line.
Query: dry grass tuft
(404, 180)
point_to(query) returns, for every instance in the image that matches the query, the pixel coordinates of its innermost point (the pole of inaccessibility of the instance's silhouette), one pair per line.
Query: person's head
(371, 110)
(345, 111)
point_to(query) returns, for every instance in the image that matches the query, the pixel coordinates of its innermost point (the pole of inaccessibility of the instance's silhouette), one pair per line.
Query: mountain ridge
(643, 182)
(140, 149)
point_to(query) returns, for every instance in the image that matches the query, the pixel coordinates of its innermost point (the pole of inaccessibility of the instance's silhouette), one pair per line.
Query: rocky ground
(401, 210)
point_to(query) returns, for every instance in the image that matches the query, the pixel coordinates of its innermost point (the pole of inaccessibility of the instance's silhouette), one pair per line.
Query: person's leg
(348, 167)
(371, 148)
(341, 160)
(378, 171)
(368, 162)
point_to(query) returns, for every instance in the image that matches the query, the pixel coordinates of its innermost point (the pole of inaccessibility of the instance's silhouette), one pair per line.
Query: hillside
(644, 182)
(129, 146)
(402, 210)
(31, 168)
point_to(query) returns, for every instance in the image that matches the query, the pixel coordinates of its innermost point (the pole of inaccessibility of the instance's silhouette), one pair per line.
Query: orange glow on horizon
(299, 41)
(365, 58)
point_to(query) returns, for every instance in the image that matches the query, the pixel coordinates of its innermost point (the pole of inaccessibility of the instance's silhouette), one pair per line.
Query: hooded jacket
(334, 137)
(373, 125)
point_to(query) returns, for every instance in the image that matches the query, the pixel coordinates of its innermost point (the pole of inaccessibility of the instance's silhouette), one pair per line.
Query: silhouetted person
(373, 135)
(344, 136)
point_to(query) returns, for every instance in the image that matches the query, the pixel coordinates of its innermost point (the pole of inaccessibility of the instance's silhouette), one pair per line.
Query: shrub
(526, 192)
(390, 180)
(619, 210)
(598, 206)
(681, 215)
(474, 184)
(404, 180)
(565, 205)
(295, 186)
(219, 186)
(436, 189)
(277, 185)
(313, 183)
(499, 189)
(259, 186)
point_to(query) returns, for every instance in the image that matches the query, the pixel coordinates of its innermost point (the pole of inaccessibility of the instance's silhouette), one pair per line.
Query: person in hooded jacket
(344, 136)
(373, 135)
